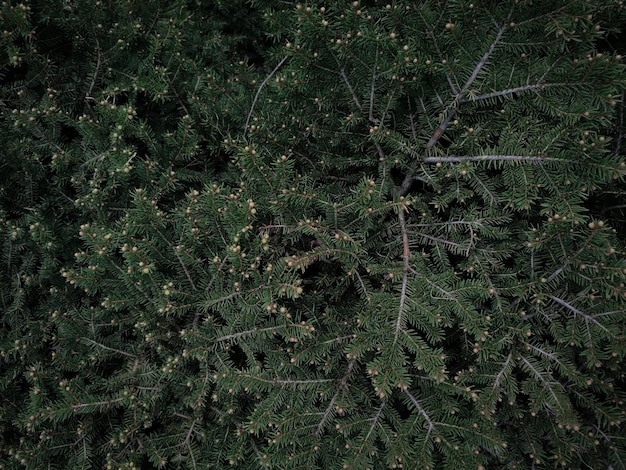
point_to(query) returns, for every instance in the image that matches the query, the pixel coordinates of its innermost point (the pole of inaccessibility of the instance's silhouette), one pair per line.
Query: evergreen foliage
(264, 234)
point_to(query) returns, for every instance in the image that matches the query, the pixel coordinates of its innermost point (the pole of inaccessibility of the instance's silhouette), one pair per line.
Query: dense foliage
(347, 235)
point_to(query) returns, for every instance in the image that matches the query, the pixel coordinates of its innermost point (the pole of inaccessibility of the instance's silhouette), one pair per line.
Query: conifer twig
(256, 331)
(420, 410)
(448, 295)
(457, 101)
(196, 319)
(498, 376)
(78, 406)
(509, 91)
(258, 92)
(612, 208)
(374, 420)
(576, 312)
(373, 89)
(459, 96)
(95, 72)
(483, 60)
(618, 140)
(189, 278)
(405, 270)
(548, 384)
(343, 386)
(285, 382)
(491, 158)
(355, 98)
(430, 33)
(187, 439)
(95, 343)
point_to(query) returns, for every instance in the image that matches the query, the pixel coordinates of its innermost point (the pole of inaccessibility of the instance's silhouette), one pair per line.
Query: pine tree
(342, 235)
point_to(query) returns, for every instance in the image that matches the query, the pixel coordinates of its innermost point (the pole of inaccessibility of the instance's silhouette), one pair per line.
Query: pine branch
(620, 127)
(548, 385)
(258, 92)
(374, 420)
(453, 246)
(256, 331)
(405, 271)
(456, 102)
(576, 312)
(606, 314)
(483, 60)
(342, 72)
(539, 86)
(187, 441)
(356, 272)
(433, 38)
(100, 345)
(448, 295)
(104, 404)
(472, 223)
(88, 96)
(418, 407)
(343, 387)
(509, 91)
(373, 89)
(491, 158)
(441, 129)
(178, 97)
(285, 382)
(496, 382)
(199, 313)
